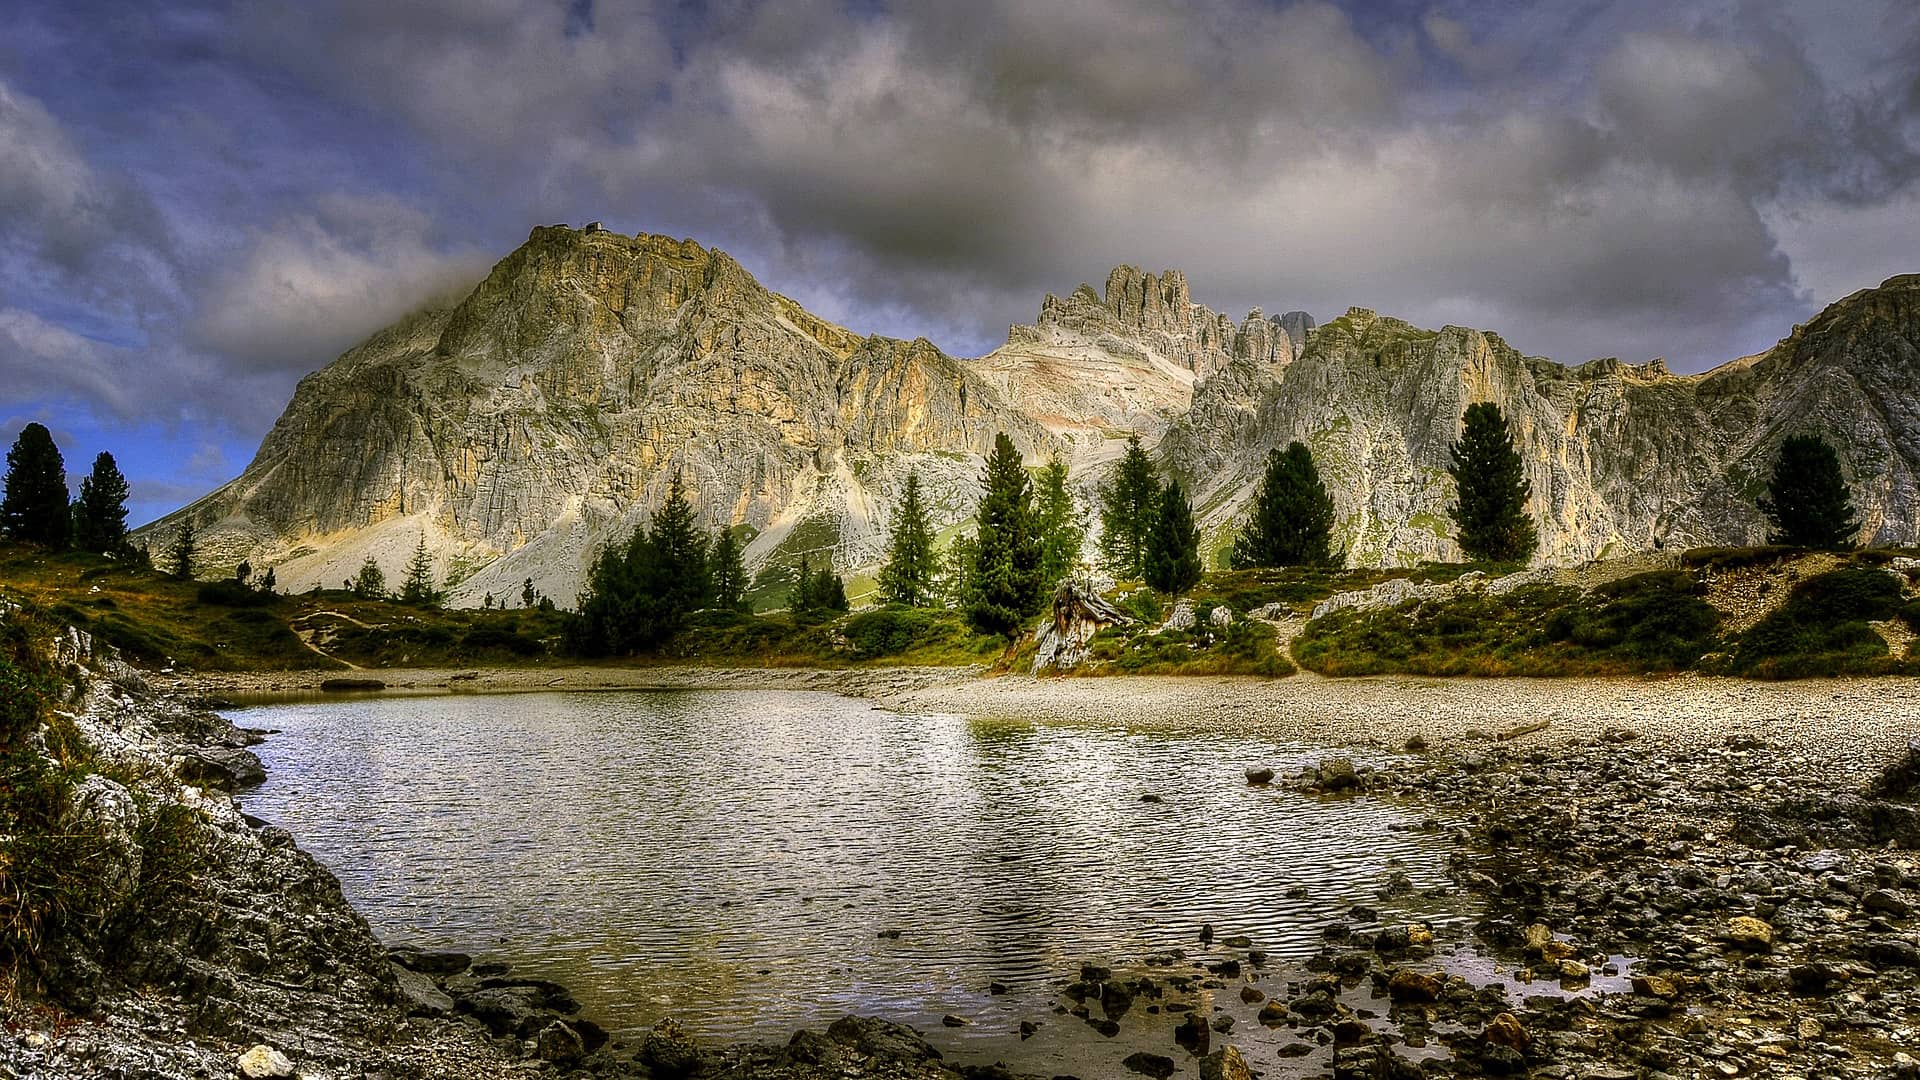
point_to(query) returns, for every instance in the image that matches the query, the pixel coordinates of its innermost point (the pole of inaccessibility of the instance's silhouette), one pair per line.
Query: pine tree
(527, 594)
(607, 621)
(1062, 530)
(1807, 501)
(417, 587)
(817, 594)
(727, 574)
(908, 576)
(186, 545)
(268, 583)
(1127, 504)
(956, 572)
(1491, 515)
(371, 582)
(100, 513)
(35, 508)
(679, 583)
(1007, 565)
(1173, 547)
(1292, 522)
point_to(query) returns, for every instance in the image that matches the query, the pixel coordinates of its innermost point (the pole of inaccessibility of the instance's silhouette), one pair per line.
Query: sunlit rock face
(521, 428)
(1621, 457)
(548, 411)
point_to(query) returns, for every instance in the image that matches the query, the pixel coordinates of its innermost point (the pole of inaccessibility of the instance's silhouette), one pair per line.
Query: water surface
(734, 858)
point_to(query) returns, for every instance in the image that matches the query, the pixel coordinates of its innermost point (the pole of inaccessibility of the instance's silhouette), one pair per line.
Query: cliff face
(546, 412)
(1620, 457)
(550, 408)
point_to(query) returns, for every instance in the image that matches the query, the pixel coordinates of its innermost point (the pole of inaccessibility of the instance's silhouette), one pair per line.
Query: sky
(201, 202)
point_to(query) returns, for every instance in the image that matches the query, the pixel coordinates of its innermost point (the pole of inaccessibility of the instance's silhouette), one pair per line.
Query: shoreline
(1835, 719)
(1579, 834)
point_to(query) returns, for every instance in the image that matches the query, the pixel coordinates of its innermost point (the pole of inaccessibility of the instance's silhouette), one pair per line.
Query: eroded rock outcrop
(544, 413)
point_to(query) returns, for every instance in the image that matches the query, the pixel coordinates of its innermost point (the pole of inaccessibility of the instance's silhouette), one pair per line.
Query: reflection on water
(733, 858)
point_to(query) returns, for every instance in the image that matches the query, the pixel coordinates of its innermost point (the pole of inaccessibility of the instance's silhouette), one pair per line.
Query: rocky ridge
(545, 412)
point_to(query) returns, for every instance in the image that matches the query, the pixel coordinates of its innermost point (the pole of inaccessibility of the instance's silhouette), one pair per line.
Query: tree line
(1026, 535)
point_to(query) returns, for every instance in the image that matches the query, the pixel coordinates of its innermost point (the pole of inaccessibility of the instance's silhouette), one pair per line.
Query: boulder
(263, 1062)
(1413, 986)
(222, 768)
(422, 997)
(1225, 1064)
(559, 1043)
(509, 1010)
(1749, 933)
(1158, 1066)
(882, 1039)
(1220, 617)
(1505, 1030)
(669, 1050)
(430, 963)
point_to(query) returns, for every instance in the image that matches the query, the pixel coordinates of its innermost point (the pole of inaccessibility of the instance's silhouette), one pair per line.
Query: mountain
(1621, 457)
(544, 413)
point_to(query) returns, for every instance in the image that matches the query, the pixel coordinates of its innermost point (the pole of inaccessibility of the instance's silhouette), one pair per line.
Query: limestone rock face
(546, 412)
(1621, 457)
(1097, 367)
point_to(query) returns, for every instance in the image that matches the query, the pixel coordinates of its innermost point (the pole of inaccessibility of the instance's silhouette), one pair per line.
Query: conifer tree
(1491, 516)
(1808, 503)
(908, 576)
(727, 574)
(1292, 521)
(268, 583)
(1062, 530)
(1128, 502)
(956, 571)
(186, 545)
(417, 587)
(34, 507)
(1006, 569)
(527, 594)
(100, 513)
(1173, 547)
(678, 583)
(371, 582)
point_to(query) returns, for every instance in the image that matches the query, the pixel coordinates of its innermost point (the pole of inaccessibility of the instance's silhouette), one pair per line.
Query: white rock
(263, 1062)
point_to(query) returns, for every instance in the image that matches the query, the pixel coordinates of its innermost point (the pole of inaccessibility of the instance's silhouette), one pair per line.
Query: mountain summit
(546, 412)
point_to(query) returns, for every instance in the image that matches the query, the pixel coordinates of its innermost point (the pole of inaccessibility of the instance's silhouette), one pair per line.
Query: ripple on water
(733, 857)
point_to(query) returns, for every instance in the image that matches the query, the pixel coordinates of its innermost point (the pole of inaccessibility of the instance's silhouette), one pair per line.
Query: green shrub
(1650, 622)
(889, 631)
(503, 638)
(1660, 621)
(1822, 628)
(231, 593)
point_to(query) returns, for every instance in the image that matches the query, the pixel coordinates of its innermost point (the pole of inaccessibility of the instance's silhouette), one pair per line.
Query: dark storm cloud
(199, 202)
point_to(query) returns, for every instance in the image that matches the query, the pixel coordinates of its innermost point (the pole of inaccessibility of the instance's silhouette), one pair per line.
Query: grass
(1245, 647)
(1655, 622)
(1824, 629)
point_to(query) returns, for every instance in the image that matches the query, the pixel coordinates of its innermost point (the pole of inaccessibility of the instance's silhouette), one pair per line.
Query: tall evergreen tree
(1062, 530)
(1491, 516)
(908, 576)
(956, 572)
(35, 507)
(679, 582)
(1007, 565)
(370, 583)
(1808, 502)
(100, 513)
(1292, 522)
(1128, 502)
(1173, 547)
(613, 610)
(417, 587)
(726, 573)
(185, 548)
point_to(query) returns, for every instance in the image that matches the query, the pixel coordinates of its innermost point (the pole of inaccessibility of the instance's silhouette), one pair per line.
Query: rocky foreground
(1689, 878)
